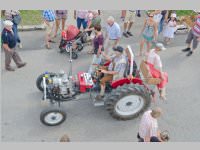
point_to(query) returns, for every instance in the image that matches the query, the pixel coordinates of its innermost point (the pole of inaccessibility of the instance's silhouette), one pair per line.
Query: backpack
(17, 19)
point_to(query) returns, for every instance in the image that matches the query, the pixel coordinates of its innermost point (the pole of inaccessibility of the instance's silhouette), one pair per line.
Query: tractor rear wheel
(128, 101)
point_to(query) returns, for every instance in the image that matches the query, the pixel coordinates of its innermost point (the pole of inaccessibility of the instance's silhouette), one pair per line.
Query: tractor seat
(147, 76)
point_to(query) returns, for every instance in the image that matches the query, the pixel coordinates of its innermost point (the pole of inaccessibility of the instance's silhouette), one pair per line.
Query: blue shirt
(113, 31)
(8, 37)
(49, 15)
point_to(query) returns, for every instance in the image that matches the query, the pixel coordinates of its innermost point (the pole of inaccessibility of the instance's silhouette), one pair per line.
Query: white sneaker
(20, 45)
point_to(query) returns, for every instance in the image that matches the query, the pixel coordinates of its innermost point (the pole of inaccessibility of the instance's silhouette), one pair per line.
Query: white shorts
(130, 16)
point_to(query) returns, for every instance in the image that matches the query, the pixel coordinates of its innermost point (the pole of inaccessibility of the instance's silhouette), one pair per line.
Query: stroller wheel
(62, 50)
(80, 47)
(74, 55)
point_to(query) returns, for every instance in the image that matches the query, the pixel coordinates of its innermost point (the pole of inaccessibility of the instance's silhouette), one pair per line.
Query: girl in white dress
(170, 29)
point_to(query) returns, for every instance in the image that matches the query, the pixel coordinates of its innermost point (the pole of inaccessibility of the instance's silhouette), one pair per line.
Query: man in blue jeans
(81, 18)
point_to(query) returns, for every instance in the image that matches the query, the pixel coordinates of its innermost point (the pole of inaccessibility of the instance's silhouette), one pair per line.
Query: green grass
(185, 13)
(182, 12)
(31, 17)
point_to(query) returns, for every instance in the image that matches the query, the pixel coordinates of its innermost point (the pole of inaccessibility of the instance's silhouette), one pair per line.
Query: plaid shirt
(49, 15)
(148, 125)
(120, 64)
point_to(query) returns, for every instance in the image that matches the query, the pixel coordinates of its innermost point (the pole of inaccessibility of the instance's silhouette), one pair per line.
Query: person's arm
(118, 69)
(145, 22)
(155, 30)
(175, 24)
(89, 29)
(6, 47)
(159, 65)
(106, 57)
(99, 50)
(109, 72)
(166, 15)
(15, 12)
(5, 42)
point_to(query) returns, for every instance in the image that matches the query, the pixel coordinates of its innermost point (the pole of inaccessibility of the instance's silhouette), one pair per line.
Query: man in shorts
(193, 36)
(49, 19)
(128, 16)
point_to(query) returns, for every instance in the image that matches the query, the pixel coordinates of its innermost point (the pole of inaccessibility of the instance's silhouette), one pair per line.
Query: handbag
(17, 19)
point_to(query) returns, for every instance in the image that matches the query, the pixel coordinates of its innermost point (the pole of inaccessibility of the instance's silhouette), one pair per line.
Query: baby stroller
(74, 39)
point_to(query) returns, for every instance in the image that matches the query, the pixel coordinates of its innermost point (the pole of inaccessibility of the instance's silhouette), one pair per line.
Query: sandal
(47, 47)
(90, 52)
(52, 41)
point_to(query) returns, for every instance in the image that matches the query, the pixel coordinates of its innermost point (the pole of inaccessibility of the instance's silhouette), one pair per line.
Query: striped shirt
(49, 15)
(196, 28)
(113, 31)
(148, 125)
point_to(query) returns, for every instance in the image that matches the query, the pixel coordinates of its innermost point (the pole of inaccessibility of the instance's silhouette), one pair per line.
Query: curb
(31, 27)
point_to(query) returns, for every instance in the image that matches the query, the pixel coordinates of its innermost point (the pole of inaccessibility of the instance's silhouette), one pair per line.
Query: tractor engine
(60, 86)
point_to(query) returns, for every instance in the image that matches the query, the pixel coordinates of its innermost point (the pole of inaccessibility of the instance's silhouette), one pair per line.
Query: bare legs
(58, 21)
(142, 46)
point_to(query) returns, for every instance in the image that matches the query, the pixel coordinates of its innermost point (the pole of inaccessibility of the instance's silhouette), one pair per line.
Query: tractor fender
(120, 82)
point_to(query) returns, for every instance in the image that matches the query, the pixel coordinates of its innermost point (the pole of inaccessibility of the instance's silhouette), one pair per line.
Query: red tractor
(124, 99)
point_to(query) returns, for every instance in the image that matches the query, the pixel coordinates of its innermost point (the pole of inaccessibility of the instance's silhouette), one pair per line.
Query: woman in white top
(155, 68)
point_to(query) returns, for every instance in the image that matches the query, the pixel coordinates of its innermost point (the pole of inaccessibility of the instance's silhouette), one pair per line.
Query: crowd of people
(107, 47)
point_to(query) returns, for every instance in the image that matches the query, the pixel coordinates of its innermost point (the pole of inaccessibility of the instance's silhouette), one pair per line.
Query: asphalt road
(21, 100)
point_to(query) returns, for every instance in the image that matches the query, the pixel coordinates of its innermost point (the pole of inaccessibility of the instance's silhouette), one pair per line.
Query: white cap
(173, 15)
(160, 46)
(7, 23)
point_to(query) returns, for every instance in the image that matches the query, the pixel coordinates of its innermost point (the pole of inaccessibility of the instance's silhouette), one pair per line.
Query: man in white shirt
(113, 35)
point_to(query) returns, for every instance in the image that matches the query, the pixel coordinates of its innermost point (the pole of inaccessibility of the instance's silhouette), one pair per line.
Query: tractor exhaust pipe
(132, 58)
(45, 89)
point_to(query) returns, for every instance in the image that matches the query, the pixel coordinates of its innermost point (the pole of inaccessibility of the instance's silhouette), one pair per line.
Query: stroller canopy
(70, 33)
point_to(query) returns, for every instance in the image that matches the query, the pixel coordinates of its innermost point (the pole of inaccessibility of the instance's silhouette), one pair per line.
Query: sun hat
(160, 46)
(7, 23)
(173, 15)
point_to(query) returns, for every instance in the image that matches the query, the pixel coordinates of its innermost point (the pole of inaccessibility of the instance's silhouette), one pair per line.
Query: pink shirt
(82, 14)
(148, 125)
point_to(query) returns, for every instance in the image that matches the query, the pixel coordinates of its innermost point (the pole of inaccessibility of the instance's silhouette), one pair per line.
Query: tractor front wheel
(53, 117)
